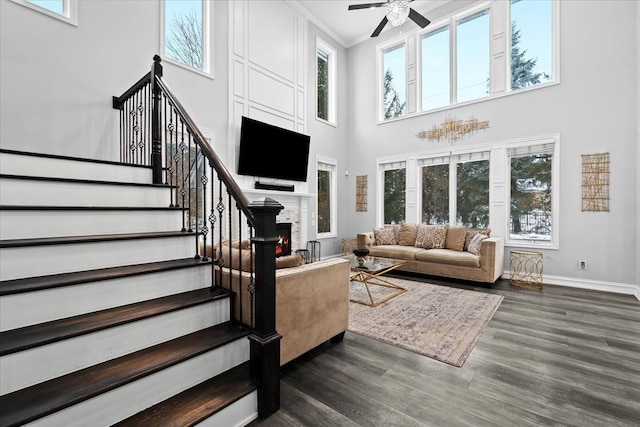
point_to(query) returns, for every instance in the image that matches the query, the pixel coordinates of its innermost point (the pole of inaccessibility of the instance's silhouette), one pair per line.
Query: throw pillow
(289, 261)
(471, 233)
(384, 236)
(396, 232)
(455, 238)
(476, 241)
(408, 233)
(431, 236)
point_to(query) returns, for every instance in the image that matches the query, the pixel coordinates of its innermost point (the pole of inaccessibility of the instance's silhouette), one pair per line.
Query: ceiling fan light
(397, 12)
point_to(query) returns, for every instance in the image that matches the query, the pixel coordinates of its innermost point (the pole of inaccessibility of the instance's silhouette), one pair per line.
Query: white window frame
(383, 166)
(332, 61)
(69, 10)
(555, 46)
(331, 165)
(207, 41)
(380, 49)
(554, 243)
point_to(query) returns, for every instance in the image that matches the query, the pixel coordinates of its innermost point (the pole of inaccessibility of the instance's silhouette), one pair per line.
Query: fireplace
(283, 231)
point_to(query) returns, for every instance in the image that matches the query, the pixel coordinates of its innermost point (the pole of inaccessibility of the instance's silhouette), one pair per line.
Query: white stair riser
(29, 367)
(30, 308)
(115, 405)
(27, 224)
(239, 413)
(16, 164)
(16, 263)
(61, 193)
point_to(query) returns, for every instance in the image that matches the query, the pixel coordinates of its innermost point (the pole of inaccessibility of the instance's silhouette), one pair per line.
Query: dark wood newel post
(265, 340)
(156, 122)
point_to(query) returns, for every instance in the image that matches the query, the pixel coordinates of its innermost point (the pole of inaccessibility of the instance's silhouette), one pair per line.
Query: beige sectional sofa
(312, 301)
(447, 251)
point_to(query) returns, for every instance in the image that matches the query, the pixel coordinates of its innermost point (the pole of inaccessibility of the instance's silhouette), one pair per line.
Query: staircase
(106, 316)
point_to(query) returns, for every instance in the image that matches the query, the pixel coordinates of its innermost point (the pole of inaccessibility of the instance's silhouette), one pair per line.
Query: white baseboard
(594, 285)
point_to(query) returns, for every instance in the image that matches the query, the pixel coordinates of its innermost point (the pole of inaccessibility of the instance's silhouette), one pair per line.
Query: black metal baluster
(251, 288)
(241, 325)
(190, 185)
(204, 180)
(182, 190)
(195, 215)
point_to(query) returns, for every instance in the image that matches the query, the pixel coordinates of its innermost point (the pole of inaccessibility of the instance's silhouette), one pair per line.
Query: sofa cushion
(384, 236)
(447, 256)
(405, 253)
(396, 232)
(471, 233)
(431, 236)
(476, 241)
(455, 238)
(408, 234)
(288, 261)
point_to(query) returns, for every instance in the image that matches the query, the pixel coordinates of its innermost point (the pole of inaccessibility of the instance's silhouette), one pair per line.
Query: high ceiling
(352, 27)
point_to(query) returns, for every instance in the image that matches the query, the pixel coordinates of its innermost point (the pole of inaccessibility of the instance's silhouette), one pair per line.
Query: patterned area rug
(440, 322)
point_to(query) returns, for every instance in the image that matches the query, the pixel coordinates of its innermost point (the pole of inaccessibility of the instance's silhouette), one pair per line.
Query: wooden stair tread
(20, 339)
(28, 284)
(50, 396)
(75, 159)
(88, 208)
(40, 241)
(197, 403)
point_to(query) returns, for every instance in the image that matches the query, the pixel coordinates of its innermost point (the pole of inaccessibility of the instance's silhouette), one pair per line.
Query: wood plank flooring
(555, 357)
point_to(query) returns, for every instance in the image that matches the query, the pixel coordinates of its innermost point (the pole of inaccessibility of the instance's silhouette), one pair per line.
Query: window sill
(326, 122)
(188, 68)
(71, 18)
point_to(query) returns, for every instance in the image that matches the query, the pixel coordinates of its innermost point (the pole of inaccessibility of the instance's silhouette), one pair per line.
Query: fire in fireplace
(283, 231)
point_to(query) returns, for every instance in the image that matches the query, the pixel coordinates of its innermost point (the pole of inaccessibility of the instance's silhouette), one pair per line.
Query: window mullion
(453, 62)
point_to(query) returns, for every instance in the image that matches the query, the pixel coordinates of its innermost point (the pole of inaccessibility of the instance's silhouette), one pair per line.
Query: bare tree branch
(184, 39)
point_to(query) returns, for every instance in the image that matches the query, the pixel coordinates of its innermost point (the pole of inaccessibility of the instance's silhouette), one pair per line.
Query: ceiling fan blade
(379, 28)
(418, 19)
(366, 5)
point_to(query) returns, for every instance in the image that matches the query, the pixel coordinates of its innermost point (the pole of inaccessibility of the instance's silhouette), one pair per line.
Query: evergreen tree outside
(472, 198)
(531, 196)
(393, 107)
(394, 196)
(323, 86)
(435, 194)
(522, 68)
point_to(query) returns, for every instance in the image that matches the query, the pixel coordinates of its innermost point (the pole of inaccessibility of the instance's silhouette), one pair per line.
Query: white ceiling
(350, 27)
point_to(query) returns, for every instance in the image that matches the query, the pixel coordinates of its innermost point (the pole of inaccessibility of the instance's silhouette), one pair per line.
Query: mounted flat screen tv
(268, 151)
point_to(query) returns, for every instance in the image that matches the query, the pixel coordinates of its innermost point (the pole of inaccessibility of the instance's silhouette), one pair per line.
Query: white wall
(57, 80)
(594, 109)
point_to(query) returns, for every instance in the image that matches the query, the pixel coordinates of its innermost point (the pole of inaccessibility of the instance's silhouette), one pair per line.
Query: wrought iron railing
(157, 131)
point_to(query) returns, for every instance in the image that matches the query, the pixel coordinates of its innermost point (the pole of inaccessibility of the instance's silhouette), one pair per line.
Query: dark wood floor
(555, 357)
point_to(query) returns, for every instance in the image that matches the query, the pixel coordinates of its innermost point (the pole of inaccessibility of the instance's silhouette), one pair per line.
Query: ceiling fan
(397, 13)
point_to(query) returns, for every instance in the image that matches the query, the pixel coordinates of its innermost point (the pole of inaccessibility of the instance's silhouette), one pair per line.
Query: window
(394, 82)
(64, 10)
(531, 43)
(186, 33)
(327, 198)
(455, 183)
(394, 184)
(325, 82)
(532, 193)
(472, 189)
(473, 57)
(436, 69)
(434, 175)
(444, 84)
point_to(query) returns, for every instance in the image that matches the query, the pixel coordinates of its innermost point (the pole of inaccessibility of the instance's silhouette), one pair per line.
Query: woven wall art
(361, 193)
(595, 182)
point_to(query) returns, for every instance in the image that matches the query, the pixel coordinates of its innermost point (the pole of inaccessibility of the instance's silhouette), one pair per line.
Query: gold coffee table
(369, 275)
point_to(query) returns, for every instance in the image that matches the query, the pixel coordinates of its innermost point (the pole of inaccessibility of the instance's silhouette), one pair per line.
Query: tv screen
(272, 152)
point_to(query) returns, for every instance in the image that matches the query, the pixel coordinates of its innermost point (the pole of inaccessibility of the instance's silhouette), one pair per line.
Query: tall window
(473, 57)
(472, 189)
(394, 184)
(394, 82)
(434, 182)
(327, 197)
(436, 76)
(455, 184)
(325, 82)
(64, 10)
(531, 193)
(531, 43)
(186, 33)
